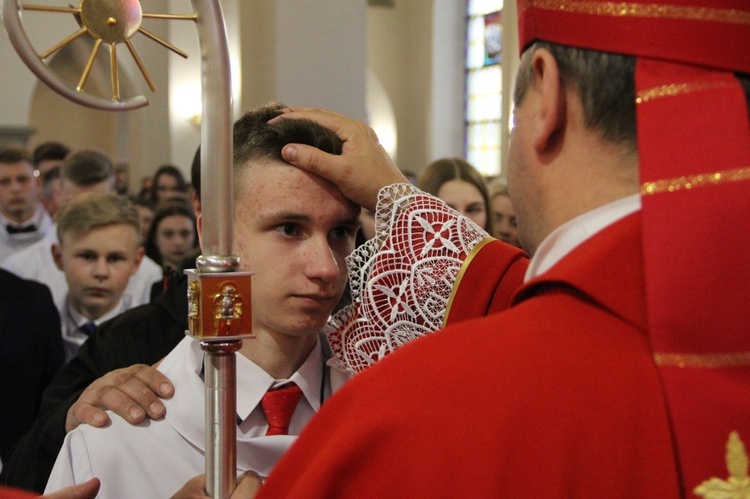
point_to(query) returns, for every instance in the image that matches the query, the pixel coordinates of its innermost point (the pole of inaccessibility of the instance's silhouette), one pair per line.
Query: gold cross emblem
(737, 486)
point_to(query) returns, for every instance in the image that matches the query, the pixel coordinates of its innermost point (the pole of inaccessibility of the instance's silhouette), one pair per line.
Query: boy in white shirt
(23, 219)
(99, 250)
(83, 171)
(293, 230)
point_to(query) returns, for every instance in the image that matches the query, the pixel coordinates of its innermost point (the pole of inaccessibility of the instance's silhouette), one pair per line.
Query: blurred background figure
(168, 183)
(172, 241)
(122, 178)
(23, 220)
(46, 156)
(145, 215)
(147, 184)
(461, 186)
(51, 194)
(172, 235)
(503, 214)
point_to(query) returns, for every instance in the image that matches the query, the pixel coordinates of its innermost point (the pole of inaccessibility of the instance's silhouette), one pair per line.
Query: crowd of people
(607, 358)
(72, 253)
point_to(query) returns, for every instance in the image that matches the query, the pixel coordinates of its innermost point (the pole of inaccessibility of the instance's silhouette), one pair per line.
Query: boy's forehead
(90, 236)
(273, 183)
(14, 168)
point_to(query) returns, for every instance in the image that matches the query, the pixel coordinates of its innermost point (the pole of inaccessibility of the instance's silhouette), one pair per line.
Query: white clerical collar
(572, 233)
(35, 219)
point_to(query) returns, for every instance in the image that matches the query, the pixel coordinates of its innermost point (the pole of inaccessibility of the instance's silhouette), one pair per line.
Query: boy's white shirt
(156, 458)
(12, 243)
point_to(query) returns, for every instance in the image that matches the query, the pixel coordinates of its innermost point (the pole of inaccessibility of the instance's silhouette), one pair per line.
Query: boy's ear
(57, 255)
(199, 227)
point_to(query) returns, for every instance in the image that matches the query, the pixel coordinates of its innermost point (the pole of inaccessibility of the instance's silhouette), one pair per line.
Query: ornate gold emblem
(227, 309)
(737, 486)
(110, 22)
(194, 314)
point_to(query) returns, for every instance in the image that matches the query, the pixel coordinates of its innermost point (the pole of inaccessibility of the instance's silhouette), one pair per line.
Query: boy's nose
(321, 262)
(101, 269)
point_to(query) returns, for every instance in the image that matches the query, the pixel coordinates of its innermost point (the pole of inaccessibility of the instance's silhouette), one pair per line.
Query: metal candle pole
(223, 293)
(218, 294)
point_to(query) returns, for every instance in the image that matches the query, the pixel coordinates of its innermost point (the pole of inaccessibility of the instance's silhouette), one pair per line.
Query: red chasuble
(558, 396)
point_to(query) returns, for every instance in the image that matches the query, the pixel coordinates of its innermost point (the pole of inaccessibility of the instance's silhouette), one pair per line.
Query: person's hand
(248, 485)
(132, 393)
(85, 490)
(195, 488)
(363, 167)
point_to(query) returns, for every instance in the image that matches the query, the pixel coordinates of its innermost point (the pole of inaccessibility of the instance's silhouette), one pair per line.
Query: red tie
(279, 405)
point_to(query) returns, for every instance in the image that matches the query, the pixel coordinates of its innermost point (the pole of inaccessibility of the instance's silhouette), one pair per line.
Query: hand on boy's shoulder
(133, 393)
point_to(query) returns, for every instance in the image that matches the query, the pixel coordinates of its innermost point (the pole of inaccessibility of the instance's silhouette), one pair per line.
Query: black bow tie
(20, 230)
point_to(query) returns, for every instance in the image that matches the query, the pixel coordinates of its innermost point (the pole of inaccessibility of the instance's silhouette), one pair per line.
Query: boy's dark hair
(87, 167)
(255, 138)
(13, 154)
(49, 150)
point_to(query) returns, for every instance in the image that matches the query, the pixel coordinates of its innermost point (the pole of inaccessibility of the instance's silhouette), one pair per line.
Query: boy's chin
(98, 308)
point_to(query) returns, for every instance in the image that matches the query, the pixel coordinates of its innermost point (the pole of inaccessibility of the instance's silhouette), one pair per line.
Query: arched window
(484, 78)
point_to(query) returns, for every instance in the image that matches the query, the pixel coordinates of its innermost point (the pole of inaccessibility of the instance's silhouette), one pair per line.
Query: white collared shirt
(156, 458)
(573, 233)
(72, 320)
(11, 243)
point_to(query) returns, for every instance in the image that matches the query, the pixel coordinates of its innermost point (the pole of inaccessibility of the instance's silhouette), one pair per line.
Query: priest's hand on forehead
(363, 167)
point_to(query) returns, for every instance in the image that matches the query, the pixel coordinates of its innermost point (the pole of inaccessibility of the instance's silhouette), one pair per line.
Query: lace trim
(401, 280)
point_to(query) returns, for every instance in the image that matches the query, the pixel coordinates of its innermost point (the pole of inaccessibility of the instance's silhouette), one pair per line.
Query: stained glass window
(484, 84)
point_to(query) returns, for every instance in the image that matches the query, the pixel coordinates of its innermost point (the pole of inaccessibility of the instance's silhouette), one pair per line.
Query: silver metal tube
(217, 212)
(221, 412)
(216, 130)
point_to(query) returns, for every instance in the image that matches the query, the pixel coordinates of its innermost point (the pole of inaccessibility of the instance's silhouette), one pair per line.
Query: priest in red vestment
(622, 367)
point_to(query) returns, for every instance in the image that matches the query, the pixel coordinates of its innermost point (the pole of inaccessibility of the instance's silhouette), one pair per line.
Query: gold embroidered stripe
(693, 181)
(680, 88)
(460, 276)
(653, 10)
(733, 359)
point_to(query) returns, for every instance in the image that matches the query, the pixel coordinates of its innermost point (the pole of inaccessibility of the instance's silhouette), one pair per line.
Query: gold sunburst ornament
(110, 22)
(737, 485)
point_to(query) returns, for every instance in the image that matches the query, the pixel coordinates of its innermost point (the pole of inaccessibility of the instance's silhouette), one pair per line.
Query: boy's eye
(115, 258)
(289, 229)
(343, 232)
(88, 256)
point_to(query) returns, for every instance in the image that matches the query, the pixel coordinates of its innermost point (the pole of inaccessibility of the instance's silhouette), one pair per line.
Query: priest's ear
(550, 105)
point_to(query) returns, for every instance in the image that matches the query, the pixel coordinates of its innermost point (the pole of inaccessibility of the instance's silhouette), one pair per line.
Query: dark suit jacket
(31, 352)
(142, 335)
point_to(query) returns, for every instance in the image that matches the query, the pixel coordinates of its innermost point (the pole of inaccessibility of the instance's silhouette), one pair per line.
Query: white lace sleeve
(402, 278)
